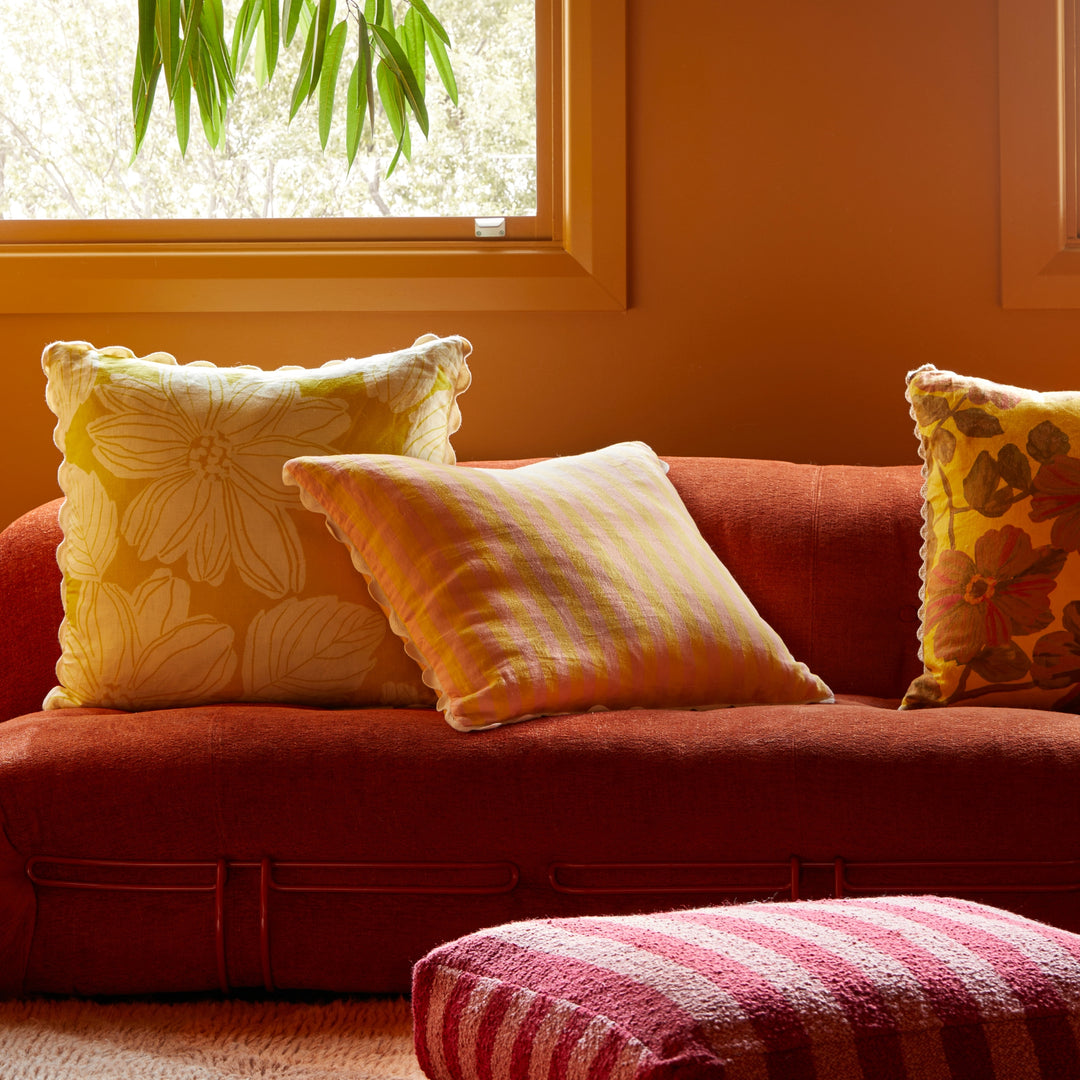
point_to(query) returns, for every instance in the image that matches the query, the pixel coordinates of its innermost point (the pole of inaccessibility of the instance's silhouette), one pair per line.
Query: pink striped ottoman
(883, 988)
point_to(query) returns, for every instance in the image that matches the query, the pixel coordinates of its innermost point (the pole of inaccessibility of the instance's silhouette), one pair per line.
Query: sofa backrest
(829, 555)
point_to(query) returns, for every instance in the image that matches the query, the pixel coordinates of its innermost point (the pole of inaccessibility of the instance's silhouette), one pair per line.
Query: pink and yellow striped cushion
(567, 585)
(891, 988)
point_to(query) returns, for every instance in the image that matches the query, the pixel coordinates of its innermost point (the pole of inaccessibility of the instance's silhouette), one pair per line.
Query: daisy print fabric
(191, 574)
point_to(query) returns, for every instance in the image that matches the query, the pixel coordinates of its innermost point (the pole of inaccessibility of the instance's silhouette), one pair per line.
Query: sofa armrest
(30, 610)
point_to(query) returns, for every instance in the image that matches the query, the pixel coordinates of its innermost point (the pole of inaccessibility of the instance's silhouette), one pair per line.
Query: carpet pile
(342, 1039)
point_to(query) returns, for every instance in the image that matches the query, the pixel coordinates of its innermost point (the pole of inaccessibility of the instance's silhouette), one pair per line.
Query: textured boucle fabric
(889, 987)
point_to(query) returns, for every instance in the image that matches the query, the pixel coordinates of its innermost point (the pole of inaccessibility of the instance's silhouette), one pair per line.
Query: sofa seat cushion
(894, 987)
(597, 812)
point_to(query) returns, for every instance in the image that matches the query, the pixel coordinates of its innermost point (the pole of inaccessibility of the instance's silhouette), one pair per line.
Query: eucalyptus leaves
(186, 40)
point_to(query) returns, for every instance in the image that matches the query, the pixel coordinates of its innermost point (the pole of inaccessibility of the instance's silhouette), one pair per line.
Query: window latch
(490, 226)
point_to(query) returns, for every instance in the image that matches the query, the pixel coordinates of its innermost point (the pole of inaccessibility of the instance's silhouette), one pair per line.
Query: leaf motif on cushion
(164, 656)
(977, 423)
(400, 387)
(90, 536)
(210, 452)
(296, 650)
(1046, 441)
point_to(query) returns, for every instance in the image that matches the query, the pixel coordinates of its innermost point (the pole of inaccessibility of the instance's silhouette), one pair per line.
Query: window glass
(66, 129)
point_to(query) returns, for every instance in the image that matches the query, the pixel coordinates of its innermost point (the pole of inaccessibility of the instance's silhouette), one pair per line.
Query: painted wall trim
(1040, 255)
(583, 268)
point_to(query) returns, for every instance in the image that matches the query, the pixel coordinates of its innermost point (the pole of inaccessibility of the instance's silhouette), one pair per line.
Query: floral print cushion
(191, 574)
(1001, 559)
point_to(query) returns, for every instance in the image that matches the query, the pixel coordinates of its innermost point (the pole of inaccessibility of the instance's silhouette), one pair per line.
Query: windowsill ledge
(409, 276)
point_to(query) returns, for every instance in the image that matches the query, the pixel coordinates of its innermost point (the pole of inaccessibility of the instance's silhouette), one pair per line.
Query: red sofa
(245, 846)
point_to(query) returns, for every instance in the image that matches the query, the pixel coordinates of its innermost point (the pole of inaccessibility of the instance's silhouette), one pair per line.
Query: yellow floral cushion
(1000, 619)
(568, 585)
(191, 574)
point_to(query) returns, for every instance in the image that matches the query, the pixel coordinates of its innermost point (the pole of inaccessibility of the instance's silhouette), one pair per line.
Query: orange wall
(813, 212)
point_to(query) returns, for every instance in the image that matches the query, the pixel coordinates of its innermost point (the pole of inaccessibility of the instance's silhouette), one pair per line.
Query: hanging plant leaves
(186, 39)
(335, 49)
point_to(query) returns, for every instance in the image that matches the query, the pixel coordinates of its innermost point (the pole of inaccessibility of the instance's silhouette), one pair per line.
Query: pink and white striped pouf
(882, 989)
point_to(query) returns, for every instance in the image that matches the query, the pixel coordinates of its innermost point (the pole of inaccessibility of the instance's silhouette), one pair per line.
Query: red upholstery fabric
(603, 804)
(30, 609)
(444, 833)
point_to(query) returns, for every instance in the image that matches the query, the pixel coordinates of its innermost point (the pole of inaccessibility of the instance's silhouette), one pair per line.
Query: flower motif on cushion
(210, 452)
(981, 602)
(1056, 494)
(165, 656)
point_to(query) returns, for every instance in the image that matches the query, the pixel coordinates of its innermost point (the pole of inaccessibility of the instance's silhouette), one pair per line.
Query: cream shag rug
(336, 1039)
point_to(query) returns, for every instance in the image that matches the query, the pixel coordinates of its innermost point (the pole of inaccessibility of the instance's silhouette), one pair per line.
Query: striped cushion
(567, 585)
(890, 988)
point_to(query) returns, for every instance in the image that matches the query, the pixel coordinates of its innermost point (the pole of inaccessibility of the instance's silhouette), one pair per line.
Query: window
(1039, 75)
(571, 255)
(66, 132)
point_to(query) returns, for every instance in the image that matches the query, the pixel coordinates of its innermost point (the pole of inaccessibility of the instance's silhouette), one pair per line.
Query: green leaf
(247, 22)
(326, 14)
(191, 22)
(167, 18)
(208, 93)
(271, 35)
(392, 103)
(365, 60)
(335, 47)
(303, 79)
(147, 9)
(412, 38)
(182, 109)
(425, 14)
(212, 31)
(142, 98)
(393, 56)
(442, 62)
(356, 100)
(977, 423)
(292, 19)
